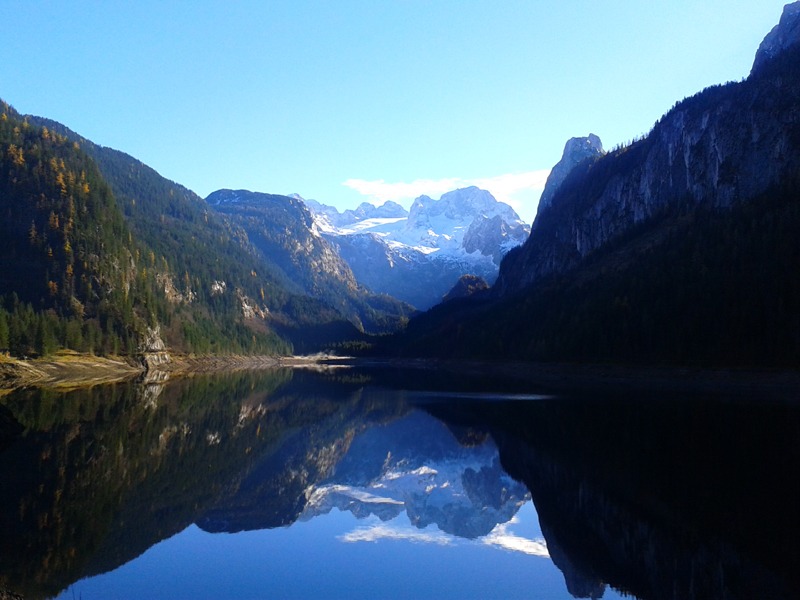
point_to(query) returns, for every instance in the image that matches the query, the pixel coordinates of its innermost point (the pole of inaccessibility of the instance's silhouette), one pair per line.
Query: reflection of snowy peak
(463, 490)
(418, 255)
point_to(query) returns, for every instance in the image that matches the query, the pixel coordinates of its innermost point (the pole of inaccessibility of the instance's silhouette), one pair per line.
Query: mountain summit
(417, 256)
(576, 151)
(784, 35)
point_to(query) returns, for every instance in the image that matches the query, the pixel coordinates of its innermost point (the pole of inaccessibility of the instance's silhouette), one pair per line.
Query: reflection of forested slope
(689, 498)
(100, 475)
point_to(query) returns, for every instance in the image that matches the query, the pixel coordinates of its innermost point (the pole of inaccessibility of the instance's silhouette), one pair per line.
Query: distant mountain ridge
(418, 255)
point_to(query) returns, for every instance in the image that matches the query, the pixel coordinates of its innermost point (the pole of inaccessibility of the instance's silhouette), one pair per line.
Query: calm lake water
(361, 483)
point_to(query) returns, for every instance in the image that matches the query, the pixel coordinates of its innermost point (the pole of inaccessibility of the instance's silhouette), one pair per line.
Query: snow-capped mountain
(418, 255)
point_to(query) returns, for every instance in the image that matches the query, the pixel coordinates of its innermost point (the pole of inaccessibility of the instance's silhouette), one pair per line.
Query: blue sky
(346, 101)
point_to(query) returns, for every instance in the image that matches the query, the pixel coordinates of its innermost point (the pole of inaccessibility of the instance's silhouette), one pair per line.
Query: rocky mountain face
(491, 236)
(576, 151)
(282, 229)
(722, 147)
(785, 34)
(417, 256)
(466, 286)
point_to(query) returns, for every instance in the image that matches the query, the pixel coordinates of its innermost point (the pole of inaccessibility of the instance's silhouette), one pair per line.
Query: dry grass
(65, 369)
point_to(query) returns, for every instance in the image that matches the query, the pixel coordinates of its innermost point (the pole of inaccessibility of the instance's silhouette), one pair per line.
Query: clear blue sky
(329, 99)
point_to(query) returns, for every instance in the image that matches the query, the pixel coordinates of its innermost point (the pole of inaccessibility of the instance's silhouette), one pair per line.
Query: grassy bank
(66, 369)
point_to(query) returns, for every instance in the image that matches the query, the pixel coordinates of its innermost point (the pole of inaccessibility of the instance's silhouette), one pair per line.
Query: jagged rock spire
(785, 34)
(576, 151)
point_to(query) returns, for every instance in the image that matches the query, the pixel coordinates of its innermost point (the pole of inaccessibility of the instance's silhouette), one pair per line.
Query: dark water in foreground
(357, 483)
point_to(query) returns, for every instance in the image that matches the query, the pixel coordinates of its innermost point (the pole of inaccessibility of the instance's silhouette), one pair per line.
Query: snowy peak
(418, 255)
(387, 210)
(444, 224)
(494, 236)
(785, 34)
(329, 219)
(576, 150)
(460, 205)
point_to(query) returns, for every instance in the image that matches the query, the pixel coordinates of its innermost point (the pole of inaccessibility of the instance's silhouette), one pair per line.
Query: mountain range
(98, 250)
(418, 255)
(679, 248)
(112, 254)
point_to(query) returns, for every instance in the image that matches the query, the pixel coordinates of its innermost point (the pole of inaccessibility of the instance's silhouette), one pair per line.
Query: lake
(378, 483)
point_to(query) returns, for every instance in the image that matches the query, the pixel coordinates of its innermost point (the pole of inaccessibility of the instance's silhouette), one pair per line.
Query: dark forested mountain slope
(724, 146)
(680, 248)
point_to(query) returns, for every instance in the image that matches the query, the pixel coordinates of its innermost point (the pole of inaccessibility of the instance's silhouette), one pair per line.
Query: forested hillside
(70, 270)
(206, 269)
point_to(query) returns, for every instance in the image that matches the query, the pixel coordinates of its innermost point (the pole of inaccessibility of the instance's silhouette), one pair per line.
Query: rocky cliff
(784, 35)
(723, 146)
(576, 150)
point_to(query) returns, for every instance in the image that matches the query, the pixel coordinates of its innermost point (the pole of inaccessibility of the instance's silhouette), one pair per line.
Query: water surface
(361, 484)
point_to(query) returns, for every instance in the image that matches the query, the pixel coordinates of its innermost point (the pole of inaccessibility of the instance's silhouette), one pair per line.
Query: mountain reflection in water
(689, 497)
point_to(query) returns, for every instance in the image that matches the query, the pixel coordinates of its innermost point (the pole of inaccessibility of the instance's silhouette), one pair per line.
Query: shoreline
(67, 370)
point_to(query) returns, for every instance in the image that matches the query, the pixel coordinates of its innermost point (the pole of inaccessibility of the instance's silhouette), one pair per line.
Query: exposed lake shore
(70, 370)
